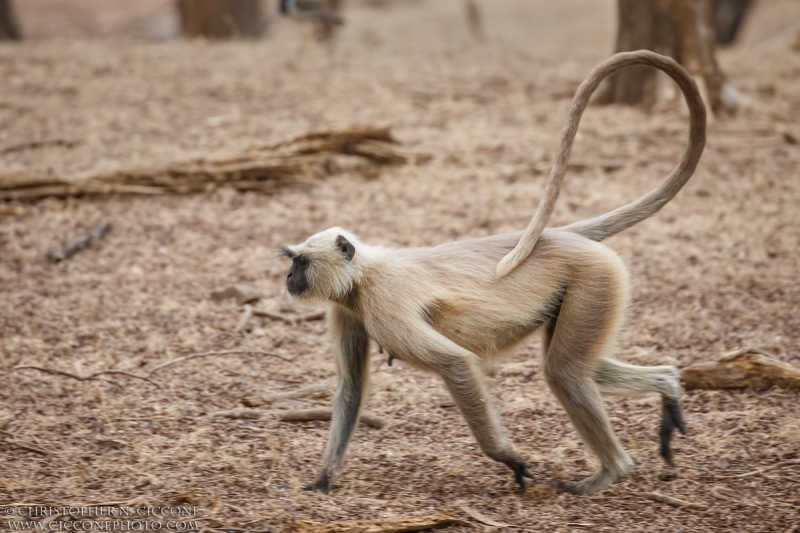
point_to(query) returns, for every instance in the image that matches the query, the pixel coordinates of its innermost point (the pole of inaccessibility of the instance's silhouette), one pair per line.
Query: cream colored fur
(446, 309)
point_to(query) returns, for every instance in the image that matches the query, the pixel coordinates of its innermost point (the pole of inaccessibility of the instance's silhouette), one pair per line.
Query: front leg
(460, 369)
(351, 350)
(466, 386)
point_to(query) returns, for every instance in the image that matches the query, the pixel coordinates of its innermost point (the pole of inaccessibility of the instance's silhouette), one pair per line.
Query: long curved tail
(604, 226)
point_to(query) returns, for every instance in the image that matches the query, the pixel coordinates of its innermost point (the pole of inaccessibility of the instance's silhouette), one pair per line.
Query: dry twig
(211, 354)
(294, 415)
(148, 377)
(765, 469)
(90, 377)
(669, 500)
(80, 242)
(318, 390)
(292, 321)
(37, 144)
(727, 495)
(384, 525)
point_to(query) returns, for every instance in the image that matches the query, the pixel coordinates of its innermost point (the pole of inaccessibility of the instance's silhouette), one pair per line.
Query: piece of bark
(385, 525)
(743, 369)
(80, 242)
(241, 292)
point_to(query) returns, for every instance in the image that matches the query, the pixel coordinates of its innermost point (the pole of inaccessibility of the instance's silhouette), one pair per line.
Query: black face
(296, 280)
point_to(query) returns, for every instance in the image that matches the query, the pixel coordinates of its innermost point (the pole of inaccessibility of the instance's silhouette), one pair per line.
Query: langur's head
(325, 267)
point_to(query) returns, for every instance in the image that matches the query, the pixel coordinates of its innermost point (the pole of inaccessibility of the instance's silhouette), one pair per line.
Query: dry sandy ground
(716, 270)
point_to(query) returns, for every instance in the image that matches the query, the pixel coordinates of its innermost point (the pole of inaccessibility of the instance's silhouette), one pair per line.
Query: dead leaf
(481, 518)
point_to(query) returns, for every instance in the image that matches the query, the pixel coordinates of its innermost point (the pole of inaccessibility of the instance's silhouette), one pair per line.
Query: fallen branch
(386, 525)
(294, 415)
(669, 500)
(212, 354)
(80, 242)
(263, 168)
(742, 369)
(91, 376)
(765, 469)
(320, 390)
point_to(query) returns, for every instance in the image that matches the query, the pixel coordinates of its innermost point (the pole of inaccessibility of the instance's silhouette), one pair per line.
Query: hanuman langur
(451, 307)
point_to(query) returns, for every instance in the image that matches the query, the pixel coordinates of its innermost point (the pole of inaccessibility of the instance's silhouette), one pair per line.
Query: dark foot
(520, 473)
(320, 485)
(671, 418)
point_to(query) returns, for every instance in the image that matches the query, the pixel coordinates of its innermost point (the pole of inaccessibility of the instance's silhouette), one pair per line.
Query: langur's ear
(347, 249)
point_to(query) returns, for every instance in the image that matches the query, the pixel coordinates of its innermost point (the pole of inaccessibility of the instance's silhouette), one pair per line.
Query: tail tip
(506, 265)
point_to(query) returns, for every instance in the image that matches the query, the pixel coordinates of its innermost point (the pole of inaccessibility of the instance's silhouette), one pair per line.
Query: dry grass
(717, 270)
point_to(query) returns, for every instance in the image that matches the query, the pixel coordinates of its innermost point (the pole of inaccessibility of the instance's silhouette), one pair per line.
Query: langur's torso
(453, 288)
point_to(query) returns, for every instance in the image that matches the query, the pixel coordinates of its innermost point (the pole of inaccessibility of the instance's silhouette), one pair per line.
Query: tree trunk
(326, 28)
(222, 19)
(643, 24)
(9, 30)
(474, 19)
(697, 47)
(728, 18)
(681, 29)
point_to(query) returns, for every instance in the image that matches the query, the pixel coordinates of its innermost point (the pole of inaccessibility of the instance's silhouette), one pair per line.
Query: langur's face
(322, 267)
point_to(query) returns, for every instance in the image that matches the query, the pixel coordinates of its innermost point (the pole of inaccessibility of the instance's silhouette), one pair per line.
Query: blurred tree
(222, 19)
(9, 30)
(327, 31)
(728, 18)
(474, 19)
(324, 14)
(682, 29)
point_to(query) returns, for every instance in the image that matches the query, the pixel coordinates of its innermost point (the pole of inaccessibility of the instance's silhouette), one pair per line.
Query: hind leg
(616, 377)
(581, 333)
